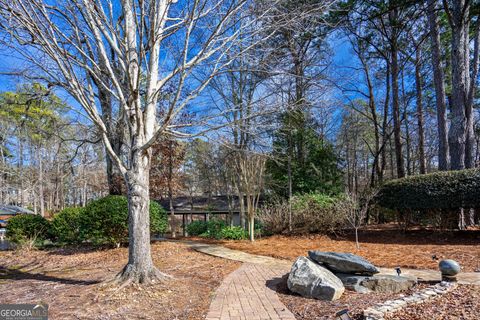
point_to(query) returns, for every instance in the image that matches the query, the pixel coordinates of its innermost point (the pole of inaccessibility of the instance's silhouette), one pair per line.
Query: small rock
(449, 267)
(430, 292)
(400, 302)
(310, 280)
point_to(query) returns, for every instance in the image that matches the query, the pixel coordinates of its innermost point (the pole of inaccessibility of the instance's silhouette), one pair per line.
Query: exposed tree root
(130, 276)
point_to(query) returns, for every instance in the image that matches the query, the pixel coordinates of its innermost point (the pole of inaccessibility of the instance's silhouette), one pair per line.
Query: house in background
(8, 211)
(203, 207)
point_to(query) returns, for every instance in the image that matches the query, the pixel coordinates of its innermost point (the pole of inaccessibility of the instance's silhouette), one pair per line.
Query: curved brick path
(247, 294)
(222, 252)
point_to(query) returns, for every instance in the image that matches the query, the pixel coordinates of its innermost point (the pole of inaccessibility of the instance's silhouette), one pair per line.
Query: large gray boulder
(310, 280)
(385, 283)
(377, 283)
(343, 262)
(353, 282)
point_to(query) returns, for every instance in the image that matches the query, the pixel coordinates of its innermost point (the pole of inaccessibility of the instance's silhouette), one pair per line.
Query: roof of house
(214, 203)
(11, 210)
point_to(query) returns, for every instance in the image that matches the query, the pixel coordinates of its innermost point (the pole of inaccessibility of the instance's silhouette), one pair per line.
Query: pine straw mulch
(306, 309)
(71, 282)
(461, 303)
(383, 246)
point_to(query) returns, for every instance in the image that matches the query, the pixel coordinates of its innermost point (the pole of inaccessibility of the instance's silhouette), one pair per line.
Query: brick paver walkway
(427, 275)
(248, 294)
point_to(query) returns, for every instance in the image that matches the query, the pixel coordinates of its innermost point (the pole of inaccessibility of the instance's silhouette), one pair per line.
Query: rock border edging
(380, 310)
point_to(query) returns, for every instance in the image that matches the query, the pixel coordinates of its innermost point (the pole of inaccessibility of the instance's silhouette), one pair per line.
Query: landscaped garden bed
(461, 303)
(384, 246)
(71, 281)
(356, 303)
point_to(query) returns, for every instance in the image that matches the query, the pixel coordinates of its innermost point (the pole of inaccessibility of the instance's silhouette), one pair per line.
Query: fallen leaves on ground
(383, 246)
(71, 281)
(461, 303)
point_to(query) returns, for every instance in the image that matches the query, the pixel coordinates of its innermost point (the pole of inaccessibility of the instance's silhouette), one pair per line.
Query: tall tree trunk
(438, 79)
(140, 266)
(396, 111)
(114, 180)
(408, 144)
(373, 110)
(290, 190)
(470, 135)
(40, 181)
(458, 126)
(385, 123)
(420, 121)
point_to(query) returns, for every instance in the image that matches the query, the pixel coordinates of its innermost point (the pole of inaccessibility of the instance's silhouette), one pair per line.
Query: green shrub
(158, 218)
(319, 200)
(233, 233)
(105, 221)
(196, 228)
(26, 227)
(65, 225)
(440, 190)
(214, 228)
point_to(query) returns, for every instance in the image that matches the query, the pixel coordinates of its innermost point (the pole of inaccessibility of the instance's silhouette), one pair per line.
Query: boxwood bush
(214, 228)
(105, 221)
(65, 225)
(440, 190)
(196, 228)
(26, 227)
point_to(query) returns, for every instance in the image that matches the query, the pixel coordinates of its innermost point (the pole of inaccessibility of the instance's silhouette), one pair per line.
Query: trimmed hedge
(26, 227)
(105, 221)
(65, 225)
(196, 228)
(440, 190)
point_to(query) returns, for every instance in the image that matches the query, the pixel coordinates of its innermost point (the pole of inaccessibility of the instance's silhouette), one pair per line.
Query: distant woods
(320, 97)
(412, 93)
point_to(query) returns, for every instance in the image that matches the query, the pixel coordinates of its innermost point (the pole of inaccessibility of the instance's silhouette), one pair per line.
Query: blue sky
(9, 62)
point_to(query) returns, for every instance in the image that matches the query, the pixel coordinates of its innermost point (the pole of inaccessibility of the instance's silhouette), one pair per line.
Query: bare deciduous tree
(136, 51)
(251, 168)
(355, 209)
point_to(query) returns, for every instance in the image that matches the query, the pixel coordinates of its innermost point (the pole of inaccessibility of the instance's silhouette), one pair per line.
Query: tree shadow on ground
(73, 250)
(17, 274)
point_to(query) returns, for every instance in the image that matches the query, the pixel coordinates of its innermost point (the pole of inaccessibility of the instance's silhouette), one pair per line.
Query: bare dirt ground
(383, 246)
(70, 281)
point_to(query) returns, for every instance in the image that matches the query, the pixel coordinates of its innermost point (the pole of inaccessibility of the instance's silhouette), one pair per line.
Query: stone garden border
(379, 311)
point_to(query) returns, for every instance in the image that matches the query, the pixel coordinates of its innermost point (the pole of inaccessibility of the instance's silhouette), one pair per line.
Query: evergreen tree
(312, 161)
